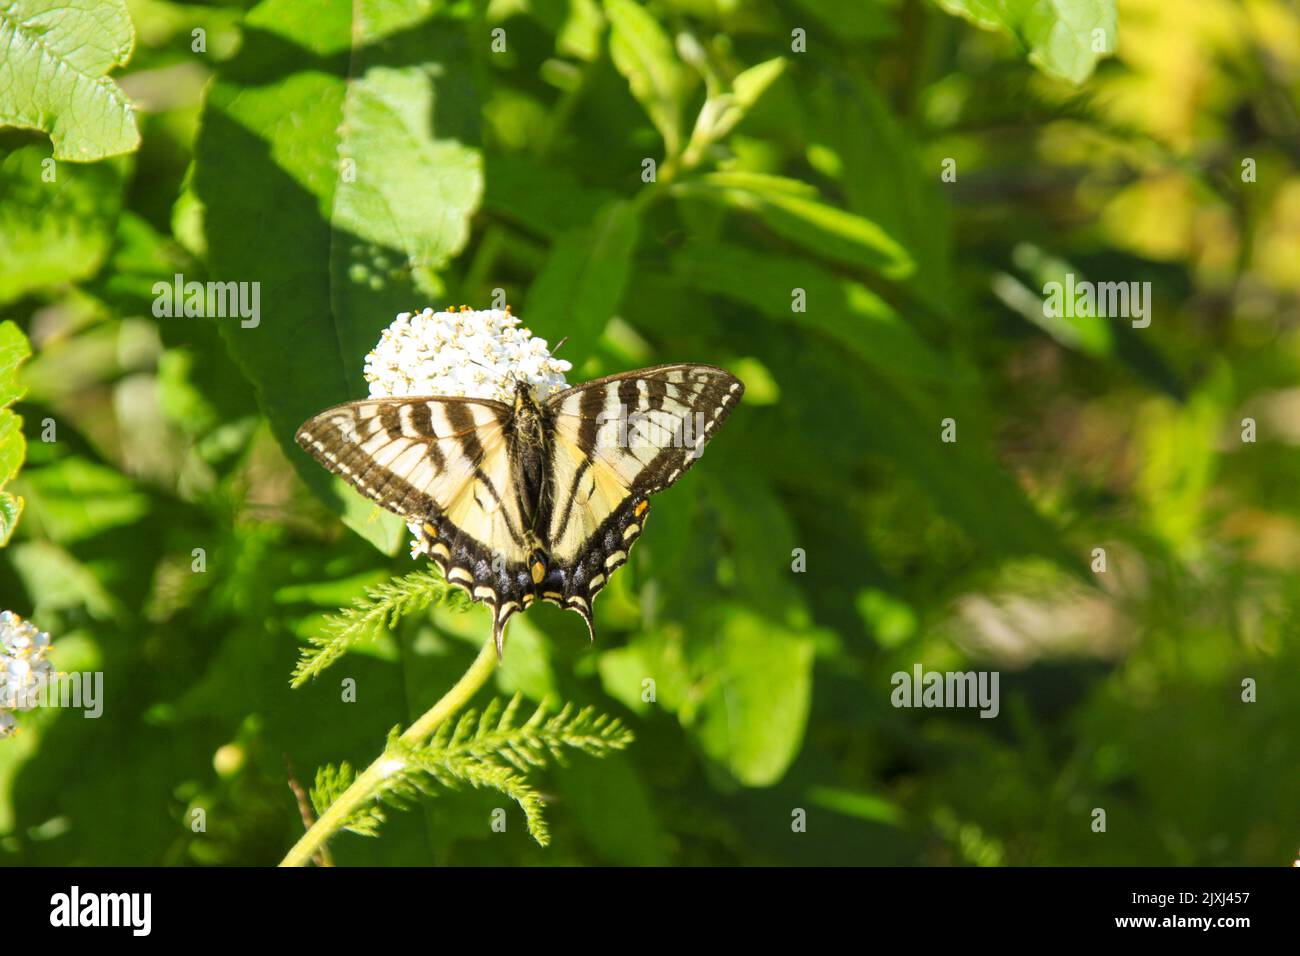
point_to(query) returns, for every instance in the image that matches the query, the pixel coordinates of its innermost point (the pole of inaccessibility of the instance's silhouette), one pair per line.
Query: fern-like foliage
(484, 750)
(331, 781)
(380, 609)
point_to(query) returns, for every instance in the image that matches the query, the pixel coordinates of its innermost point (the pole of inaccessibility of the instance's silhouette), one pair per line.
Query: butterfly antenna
(559, 344)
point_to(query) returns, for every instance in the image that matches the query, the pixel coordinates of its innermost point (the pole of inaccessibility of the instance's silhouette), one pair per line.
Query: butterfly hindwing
(616, 441)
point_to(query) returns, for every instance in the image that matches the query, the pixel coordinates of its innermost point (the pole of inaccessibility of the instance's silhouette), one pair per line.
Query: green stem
(366, 785)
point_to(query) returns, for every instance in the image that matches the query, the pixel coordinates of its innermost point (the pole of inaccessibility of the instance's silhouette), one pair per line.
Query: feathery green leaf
(382, 607)
(482, 749)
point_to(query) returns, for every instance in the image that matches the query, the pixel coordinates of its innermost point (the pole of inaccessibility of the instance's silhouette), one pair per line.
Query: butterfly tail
(584, 611)
(500, 617)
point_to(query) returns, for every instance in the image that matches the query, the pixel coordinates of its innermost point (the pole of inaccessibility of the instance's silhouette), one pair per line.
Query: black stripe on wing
(369, 444)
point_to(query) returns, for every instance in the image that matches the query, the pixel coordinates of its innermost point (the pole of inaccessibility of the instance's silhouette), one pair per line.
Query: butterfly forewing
(404, 454)
(648, 427)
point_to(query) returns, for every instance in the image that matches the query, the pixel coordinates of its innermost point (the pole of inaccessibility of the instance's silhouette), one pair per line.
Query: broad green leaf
(758, 691)
(412, 191)
(580, 287)
(644, 54)
(13, 447)
(57, 231)
(527, 669)
(657, 654)
(52, 74)
(341, 182)
(794, 210)
(1063, 38)
(845, 311)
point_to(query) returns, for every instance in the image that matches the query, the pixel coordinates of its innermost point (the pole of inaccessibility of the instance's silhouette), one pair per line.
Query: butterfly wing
(444, 464)
(615, 442)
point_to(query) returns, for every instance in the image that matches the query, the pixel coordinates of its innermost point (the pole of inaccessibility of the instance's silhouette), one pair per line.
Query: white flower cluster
(463, 353)
(24, 668)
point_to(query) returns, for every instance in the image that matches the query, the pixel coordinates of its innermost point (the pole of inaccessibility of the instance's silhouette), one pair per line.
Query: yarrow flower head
(465, 353)
(24, 667)
(461, 353)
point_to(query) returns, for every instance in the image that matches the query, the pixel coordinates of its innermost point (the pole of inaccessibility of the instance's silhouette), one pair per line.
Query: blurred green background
(358, 159)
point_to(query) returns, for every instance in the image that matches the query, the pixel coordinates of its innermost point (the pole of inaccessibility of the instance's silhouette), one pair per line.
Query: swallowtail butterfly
(534, 499)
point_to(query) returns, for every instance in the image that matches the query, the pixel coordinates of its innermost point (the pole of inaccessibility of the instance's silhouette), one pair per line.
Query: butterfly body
(527, 431)
(533, 499)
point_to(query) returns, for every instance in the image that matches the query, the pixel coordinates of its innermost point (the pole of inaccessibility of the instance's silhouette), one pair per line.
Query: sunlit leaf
(11, 509)
(846, 311)
(1063, 38)
(52, 76)
(759, 687)
(341, 187)
(644, 54)
(13, 351)
(723, 112)
(794, 210)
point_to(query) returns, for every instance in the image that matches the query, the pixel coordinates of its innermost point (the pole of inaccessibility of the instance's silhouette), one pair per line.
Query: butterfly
(532, 499)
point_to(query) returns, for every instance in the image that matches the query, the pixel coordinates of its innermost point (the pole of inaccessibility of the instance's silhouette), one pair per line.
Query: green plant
(857, 207)
(484, 751)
